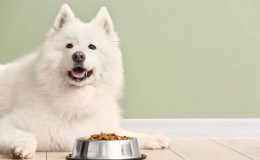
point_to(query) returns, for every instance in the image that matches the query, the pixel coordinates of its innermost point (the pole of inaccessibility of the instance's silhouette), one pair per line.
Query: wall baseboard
(197, 128)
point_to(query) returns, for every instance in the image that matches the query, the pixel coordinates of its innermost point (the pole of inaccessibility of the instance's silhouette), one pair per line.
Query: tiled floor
(189, 149)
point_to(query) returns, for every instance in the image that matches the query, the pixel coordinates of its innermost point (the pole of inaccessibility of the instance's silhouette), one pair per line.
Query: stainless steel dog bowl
(106, 150)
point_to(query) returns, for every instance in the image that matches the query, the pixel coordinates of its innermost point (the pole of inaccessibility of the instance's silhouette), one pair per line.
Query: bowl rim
(84, 139)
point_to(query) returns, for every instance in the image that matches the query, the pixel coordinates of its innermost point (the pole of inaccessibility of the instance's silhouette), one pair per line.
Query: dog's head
(82, 53)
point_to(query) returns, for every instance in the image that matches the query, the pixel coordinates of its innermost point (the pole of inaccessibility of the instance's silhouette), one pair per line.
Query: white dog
(66, 89)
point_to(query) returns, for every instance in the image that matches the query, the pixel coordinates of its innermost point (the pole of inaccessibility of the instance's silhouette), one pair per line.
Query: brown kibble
(107, 137)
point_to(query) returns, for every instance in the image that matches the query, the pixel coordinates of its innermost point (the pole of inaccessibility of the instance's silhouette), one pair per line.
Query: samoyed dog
(66, 89)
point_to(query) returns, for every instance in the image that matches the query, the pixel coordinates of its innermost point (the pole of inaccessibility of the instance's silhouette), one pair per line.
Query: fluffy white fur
(43, 109)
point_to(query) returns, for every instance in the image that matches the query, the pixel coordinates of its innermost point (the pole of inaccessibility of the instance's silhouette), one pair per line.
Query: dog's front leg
(148, 141)
(18, 143)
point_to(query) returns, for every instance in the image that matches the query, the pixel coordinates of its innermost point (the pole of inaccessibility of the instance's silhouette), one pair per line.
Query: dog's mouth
(79, 73)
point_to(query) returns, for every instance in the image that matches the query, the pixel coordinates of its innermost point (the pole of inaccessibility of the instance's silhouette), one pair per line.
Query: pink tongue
(78, 74)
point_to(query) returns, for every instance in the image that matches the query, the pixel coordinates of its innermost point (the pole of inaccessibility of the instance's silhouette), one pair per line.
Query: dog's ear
(104, 20)
(64, 16)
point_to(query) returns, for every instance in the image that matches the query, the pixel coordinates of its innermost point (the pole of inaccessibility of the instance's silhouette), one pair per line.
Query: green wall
(183, 58)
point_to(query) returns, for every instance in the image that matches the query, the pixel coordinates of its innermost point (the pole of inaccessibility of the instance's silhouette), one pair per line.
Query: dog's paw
(24, 149)
(155, 142)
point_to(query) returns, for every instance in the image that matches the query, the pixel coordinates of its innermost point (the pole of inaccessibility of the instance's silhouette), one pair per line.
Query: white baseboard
(197, 128)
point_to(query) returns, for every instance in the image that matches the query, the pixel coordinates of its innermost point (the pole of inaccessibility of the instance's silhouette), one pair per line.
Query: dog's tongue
(78, 74)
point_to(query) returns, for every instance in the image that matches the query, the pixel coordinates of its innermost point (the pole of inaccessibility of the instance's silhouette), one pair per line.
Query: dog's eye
(69, 45)
(91, 46)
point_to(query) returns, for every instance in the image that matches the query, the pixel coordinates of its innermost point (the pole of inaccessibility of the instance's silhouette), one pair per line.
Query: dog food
(107, 137)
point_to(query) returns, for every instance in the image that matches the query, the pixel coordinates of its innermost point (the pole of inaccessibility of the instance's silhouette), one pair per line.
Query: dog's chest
(61, 134)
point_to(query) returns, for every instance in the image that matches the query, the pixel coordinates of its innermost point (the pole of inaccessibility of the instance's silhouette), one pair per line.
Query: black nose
(78, 57)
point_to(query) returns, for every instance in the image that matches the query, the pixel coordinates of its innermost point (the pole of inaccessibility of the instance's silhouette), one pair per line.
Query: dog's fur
(42, 108)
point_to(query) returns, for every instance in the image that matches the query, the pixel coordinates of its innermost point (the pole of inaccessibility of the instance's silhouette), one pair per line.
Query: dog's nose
(78, 57)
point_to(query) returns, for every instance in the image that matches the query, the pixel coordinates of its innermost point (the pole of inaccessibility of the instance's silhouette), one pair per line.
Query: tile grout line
(175, 153)
(223, 145)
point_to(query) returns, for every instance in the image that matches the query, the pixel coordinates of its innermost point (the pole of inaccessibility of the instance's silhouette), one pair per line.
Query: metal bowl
(104, 150)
